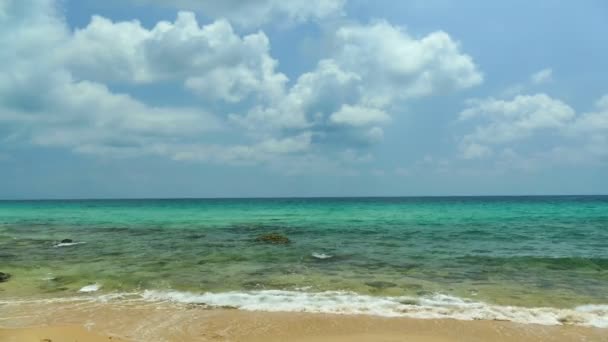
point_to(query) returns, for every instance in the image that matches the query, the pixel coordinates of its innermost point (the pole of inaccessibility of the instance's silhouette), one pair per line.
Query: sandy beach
(53, 334)
(170, 322)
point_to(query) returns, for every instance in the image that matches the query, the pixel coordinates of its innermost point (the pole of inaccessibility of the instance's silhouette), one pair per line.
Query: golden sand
(54, 334)
(168, 322)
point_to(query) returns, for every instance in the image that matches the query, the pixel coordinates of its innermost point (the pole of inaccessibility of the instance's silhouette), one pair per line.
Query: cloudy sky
(202, 98)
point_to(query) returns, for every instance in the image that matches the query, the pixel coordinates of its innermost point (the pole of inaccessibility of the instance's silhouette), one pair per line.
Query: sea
(534, 259)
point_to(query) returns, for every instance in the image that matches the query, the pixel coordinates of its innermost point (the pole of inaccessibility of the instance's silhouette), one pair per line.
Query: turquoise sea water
(527, 252)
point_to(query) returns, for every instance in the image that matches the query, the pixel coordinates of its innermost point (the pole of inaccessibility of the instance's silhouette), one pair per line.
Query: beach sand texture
(169, 322)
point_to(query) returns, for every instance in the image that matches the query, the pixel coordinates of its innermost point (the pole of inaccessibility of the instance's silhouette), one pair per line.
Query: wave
(340, 302)
(90, 288)
(436, 306)
(321, 256)
(68, 244)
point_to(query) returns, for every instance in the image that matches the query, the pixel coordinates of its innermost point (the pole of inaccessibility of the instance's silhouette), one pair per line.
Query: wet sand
(97, 322)
(54, 334)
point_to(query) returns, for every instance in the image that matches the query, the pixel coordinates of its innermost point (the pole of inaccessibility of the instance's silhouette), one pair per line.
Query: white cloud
(86, 117)
(104, 50)
(542, 76)
(57, 88)
(499, 123)
(370, 70)
(50, 94)
(252, 13)
(358, 116)
(592, 127)
(510, 120)
(42, 103)
(374, 134)
(593, 122)
(213, 60)
(536, 79)
(265, 150)
(314, 95)
(602, 103)
(396, 65)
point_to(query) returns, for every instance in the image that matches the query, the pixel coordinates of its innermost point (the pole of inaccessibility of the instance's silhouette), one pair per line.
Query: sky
(273, 98)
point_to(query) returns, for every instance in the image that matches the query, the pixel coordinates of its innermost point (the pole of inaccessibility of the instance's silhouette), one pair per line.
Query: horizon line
(286, 197)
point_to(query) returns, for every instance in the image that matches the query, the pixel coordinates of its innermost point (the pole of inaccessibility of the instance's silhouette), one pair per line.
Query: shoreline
(171, 322)
(434, 306)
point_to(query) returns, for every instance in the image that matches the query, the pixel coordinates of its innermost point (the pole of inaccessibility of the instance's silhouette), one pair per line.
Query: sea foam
(437, 306)
(340, 302)
(321, 256)
(90, 288)
(68, 244)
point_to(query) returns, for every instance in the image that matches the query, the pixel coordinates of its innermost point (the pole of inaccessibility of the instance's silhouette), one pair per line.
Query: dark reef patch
(273, 238)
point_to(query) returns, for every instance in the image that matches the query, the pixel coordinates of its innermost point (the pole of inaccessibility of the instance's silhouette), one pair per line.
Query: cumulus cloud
(542, 76)
(307, 102)
(500, 123)
(358, 116)
(371, 70)
(509, 120)
(396, 65)
(52, 92)
(213, 61)
(42, 103)
(593, 122)
(592, 127)
(252, 13)
(82, 115)
(58, 86)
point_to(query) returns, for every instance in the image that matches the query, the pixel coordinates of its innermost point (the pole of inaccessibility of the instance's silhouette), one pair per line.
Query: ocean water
(526, 259)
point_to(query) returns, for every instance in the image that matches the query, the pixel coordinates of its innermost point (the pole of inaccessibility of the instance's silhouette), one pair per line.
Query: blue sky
(198, 98)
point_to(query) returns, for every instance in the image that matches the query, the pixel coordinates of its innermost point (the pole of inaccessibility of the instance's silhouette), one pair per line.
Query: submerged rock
(253, 285)
(67, 241)
(273, 238)
(7, 256)
(4, 277)
(195, 236)
(380, 284)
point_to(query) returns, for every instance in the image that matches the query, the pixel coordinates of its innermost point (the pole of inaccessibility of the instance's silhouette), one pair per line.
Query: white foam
(105, 298)
(90, 288)
(49, 277)
(68, 244)
(598, 314)
(321, 256)
(436, 306)
(340, 302)
(593, 308)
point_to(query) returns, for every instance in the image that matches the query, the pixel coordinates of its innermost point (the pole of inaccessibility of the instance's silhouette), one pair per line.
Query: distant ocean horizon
(525, 258)
(117, 198)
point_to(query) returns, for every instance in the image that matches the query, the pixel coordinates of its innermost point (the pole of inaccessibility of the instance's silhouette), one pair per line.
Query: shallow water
(522, 251)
